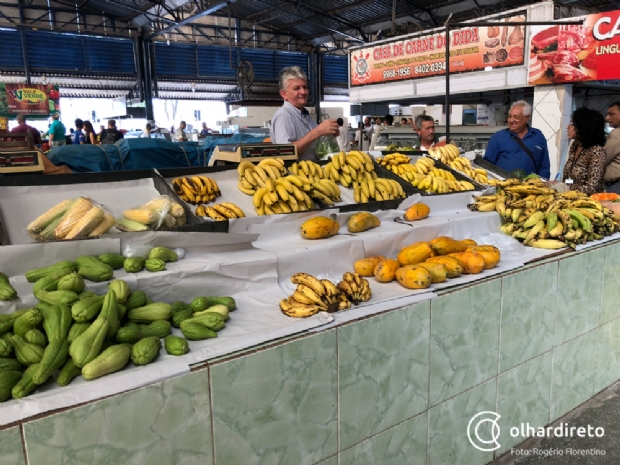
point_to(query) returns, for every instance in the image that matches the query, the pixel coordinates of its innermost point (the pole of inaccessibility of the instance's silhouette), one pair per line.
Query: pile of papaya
(421, 264)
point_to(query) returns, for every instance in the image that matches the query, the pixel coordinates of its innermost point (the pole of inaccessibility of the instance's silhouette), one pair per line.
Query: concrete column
(551, 112)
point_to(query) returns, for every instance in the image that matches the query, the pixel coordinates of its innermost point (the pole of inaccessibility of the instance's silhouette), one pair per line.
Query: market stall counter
(409, 367)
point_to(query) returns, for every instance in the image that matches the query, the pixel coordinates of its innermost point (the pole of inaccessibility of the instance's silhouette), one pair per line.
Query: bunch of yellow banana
(346, 168)
(541, 217)
(220, 212)
(463, 165)
(445, 153)
(367, 189)
(313, 295)
(393, 159)
(325, 190)
(196, 189)
(307, 170)
(356, 287)
(284, 195)
(252, 177)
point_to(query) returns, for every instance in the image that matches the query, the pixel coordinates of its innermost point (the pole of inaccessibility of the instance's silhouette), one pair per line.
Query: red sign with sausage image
(576, 53)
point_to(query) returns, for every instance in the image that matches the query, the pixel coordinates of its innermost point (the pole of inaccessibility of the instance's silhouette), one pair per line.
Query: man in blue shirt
(77, 136)
(292, 123)
(507, 148)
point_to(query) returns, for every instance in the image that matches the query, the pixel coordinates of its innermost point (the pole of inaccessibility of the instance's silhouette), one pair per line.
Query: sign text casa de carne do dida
(471, 49)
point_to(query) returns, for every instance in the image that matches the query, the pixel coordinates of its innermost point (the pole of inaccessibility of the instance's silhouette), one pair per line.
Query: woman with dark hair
(89, 132)
(585, 168)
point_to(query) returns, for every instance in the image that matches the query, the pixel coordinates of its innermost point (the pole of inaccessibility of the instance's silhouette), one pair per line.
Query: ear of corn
(88, 222)
(158, 203)
(48, 232)
(73, 215)
(141, 215)
(123, 224)
(50, 216)
(176, 210)
(104, 225)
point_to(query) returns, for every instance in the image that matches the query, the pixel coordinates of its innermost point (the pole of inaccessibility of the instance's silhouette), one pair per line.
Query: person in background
(89, 133)
(585, 168)
(612, 149)
(292, 123)
(111, 135)
(77, 136)
(205, 130)
(519, 146)
(180, 133)
(24, 128)
(343, 139)
(361, 137)
(426, 131)
(403, 121)
(147, 131)
(57, 131)
(368, 127)
(388, 120)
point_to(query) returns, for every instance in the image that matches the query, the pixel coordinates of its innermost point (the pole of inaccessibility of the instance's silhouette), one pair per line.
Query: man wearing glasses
(520, 146)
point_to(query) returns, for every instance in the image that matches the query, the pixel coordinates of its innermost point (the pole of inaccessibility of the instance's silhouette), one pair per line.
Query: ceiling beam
(191, 19)
(284, 4)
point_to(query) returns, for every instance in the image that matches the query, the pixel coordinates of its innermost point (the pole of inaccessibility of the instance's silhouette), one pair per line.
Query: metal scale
(18, 155)
(236, 153)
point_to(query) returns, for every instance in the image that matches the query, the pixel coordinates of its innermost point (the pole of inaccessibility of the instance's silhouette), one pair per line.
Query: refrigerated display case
(466, 138)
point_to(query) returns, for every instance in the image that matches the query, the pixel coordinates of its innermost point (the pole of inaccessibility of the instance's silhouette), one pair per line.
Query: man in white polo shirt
(292, 122)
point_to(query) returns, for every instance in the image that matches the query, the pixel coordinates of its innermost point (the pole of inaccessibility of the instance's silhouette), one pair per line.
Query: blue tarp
(140, 154)
(87, 158)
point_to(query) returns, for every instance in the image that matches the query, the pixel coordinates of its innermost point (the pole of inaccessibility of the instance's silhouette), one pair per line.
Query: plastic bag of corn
(160, 212)
(75, 218)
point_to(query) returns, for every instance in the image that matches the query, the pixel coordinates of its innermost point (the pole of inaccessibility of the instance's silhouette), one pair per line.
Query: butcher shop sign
(565, 54)
(414, 57)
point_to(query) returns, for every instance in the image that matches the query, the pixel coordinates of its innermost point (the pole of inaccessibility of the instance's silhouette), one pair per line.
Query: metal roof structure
(282, 24)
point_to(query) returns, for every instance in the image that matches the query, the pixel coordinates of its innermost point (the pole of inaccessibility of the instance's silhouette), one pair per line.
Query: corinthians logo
(28, 95)
(362, 70)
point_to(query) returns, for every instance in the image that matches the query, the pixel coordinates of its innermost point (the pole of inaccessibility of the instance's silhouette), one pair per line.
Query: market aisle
(603, 410)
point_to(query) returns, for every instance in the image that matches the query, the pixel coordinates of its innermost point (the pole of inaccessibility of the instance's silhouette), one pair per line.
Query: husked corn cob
(49, 216)
(158, 203)
(73, 215)
(176, 210)
(141, 215)
(86, 224)
(48, 232)
(104, 225)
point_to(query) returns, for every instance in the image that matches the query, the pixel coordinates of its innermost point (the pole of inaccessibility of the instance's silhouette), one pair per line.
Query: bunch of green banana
(366, 189)
(356, 287)
(252, 177)
(346, 168)
(284, 195)
(541, 217)
(313, 295)
(307, 170)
